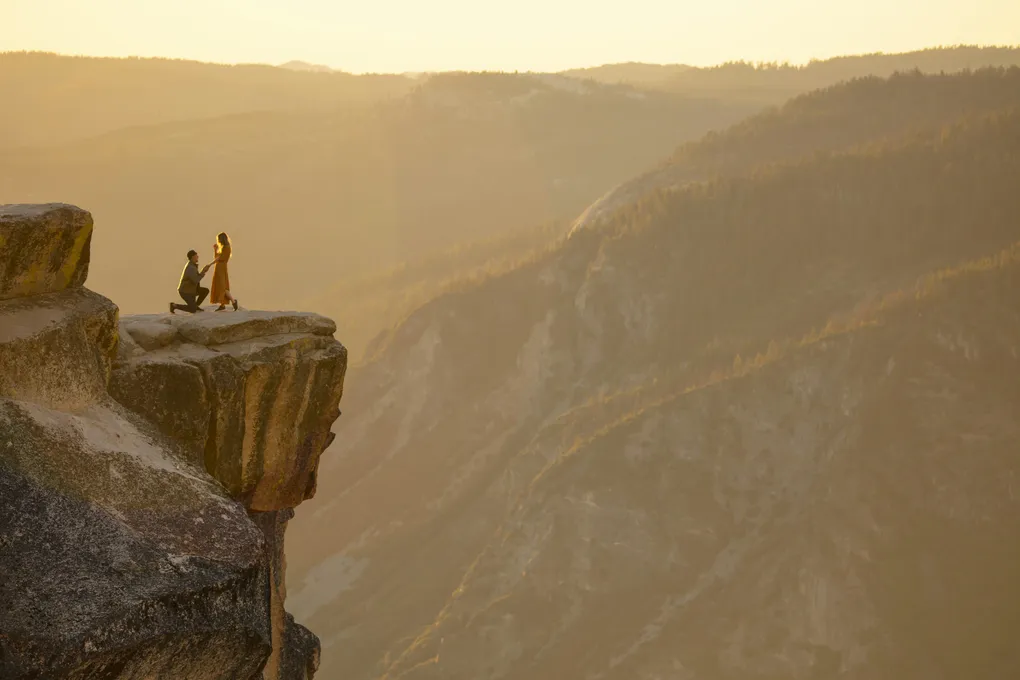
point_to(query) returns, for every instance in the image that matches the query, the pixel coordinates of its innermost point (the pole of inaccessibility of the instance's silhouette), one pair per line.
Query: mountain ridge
(297, 65)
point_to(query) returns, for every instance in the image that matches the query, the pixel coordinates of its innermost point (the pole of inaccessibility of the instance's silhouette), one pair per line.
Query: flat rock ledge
(155, 331)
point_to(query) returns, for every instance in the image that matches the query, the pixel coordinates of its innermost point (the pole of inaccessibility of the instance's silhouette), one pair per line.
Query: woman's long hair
(223, 240)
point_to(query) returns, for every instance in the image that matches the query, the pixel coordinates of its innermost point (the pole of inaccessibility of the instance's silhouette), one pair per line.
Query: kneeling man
(189, 289)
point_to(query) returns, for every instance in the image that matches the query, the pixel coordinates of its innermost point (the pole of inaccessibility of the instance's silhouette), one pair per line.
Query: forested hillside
(109, 94)
(772, 83)
(862, 111)
(371, 304)
(615, 459)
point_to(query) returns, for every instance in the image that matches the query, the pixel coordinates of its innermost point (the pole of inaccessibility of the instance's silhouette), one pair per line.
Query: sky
(537, 35)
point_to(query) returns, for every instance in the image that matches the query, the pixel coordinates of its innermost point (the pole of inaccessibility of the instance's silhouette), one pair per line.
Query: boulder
(119, 558)
(43, 248)
(58, 348)
(257, 408)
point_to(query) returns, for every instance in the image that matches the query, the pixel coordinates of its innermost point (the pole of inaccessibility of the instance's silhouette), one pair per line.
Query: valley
(683, 441)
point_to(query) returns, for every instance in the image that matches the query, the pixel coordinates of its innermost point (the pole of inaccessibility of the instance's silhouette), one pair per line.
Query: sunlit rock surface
(43, 248)
(119, 556)
(57, 349)
(120, 559)
(144, 539)
(272, 382)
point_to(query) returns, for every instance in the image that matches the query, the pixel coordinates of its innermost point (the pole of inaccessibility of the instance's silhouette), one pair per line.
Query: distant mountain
(757, 426)
(330, 181)
(111, 94)
(630, 73)
(305, 66)
(312, 198)
(772, 83)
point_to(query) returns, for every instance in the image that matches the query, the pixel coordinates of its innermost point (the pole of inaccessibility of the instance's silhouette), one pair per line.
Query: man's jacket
(190, 278)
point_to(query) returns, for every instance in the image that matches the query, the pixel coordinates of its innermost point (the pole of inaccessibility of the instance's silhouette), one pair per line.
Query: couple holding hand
(190, 289)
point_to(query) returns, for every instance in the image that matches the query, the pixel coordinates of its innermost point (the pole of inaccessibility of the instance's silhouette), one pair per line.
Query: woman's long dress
(220, 279)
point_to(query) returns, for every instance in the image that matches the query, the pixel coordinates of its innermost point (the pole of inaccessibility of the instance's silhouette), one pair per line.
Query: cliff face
(254, 392)
(148, 467)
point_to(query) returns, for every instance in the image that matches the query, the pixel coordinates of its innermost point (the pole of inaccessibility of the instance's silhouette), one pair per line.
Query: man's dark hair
(192, 253)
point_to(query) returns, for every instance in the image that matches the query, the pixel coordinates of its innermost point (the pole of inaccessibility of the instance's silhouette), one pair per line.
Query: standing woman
(221, 280)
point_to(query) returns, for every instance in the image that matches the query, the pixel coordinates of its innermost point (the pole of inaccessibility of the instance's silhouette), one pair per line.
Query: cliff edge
(148, 468)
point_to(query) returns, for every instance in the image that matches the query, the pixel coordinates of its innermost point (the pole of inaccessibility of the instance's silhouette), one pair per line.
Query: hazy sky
(420, 35)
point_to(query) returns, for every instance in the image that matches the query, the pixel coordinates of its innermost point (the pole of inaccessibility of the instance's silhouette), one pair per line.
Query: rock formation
(255, 392)
(46, 249)
(148, 468)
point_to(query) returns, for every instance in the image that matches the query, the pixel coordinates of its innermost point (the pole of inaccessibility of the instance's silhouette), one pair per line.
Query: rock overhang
(254, 392)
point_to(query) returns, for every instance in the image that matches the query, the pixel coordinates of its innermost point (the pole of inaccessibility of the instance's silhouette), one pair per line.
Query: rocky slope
(144, 538)
(842, 509)
(571, 470)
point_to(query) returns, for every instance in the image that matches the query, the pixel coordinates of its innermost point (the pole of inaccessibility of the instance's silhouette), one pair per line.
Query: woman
(221, 280)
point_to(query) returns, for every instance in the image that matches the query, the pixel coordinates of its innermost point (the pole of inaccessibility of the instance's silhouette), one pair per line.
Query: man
(189, 289)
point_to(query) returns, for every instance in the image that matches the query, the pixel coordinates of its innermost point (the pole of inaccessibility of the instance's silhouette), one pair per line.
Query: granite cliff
(148, 469)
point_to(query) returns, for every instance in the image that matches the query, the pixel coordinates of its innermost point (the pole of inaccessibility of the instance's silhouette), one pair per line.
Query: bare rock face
(296, 650)
(120, 559)
(301, 652)
(43, 248)
(120, 555)
(252, 397)
(57, 349)
(254, 393)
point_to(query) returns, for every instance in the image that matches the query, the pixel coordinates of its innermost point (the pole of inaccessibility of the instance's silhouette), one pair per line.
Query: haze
(675, 341)
(531, 35)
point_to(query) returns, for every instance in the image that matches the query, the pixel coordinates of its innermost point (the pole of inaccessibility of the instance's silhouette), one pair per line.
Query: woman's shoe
(221, 308)
(234, 302)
